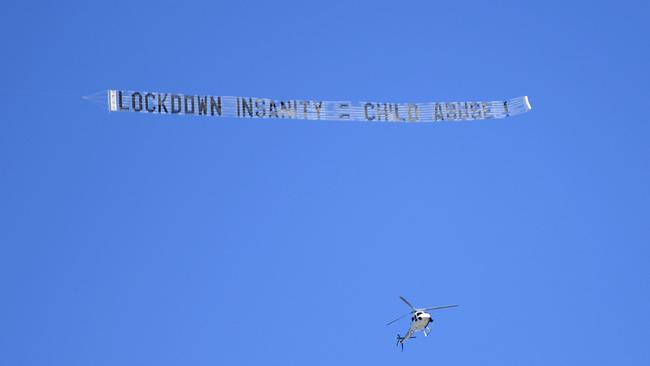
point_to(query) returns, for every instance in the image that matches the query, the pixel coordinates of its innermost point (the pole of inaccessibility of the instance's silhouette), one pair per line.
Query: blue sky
(132, 239)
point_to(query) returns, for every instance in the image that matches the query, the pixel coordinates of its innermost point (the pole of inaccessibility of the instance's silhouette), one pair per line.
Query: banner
(303, 109)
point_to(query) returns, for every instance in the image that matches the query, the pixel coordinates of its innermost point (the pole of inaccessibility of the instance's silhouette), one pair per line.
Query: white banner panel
(253, 107)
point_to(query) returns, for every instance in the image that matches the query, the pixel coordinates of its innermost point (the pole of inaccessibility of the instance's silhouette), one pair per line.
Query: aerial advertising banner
(311, 109)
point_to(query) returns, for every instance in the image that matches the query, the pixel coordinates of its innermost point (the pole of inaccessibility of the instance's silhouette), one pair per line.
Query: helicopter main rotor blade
(391, 322)
(407, 303)
(440, 307)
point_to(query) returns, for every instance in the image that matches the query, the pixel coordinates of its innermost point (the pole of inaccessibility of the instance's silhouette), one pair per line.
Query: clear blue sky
(131, 239)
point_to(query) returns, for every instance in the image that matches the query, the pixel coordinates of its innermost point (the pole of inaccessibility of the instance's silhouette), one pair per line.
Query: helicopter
(420, 321)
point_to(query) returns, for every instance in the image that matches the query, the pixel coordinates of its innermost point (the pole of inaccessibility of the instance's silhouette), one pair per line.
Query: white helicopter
(420, 321)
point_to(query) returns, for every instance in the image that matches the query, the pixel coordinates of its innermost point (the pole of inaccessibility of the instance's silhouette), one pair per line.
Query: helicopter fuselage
(420, 320)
